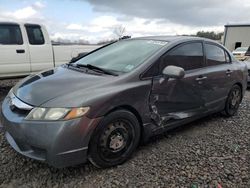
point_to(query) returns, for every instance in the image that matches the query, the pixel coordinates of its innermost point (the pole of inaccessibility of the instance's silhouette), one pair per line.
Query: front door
(177, 99)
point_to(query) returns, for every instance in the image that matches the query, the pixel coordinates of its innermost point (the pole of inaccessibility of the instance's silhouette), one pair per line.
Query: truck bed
(64, 53)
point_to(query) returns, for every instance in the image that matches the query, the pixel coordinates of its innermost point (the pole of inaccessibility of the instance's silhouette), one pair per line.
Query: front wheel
(115, 139)
(233, 101)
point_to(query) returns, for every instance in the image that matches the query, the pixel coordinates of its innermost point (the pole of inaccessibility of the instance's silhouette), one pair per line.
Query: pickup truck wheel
(233, 101)
(114, 139)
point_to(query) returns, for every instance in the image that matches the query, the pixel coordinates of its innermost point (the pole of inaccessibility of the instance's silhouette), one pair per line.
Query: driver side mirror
(173, 72)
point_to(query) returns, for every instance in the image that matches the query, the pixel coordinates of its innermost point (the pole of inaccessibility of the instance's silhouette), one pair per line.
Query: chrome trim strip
(14, 101)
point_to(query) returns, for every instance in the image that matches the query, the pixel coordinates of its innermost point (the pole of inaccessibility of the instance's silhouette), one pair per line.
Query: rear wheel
(233, 101)
(115, 139)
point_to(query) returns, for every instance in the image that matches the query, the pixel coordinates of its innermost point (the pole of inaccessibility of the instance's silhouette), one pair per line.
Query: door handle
(228, 72)
(21, 51)
(200, 78)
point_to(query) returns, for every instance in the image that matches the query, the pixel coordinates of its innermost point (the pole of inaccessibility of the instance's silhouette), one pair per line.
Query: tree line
(210, 35)
(119, 33)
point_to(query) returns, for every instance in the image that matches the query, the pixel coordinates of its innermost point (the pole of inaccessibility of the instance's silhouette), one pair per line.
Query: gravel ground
(211, 152)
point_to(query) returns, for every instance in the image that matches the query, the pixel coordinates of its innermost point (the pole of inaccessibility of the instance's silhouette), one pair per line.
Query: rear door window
(35, 34)
(215, 55)
(10, 35)
(188, 56)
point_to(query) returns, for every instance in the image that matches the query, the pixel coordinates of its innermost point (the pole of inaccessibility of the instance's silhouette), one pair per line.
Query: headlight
(52, 114)
(56, 113)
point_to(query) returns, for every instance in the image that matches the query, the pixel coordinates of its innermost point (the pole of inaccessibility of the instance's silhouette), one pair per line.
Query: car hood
(53, 84)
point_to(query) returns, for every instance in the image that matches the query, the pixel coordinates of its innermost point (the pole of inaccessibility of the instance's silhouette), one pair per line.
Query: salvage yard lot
(214, 150)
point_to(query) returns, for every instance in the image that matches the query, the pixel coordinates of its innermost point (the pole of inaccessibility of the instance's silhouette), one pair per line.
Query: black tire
(114, 139)
(233, 101)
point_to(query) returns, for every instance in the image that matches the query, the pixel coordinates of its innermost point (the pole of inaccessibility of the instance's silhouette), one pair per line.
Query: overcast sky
(95, 20)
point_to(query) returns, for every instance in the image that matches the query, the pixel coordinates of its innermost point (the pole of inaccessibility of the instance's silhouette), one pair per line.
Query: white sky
(95, 20)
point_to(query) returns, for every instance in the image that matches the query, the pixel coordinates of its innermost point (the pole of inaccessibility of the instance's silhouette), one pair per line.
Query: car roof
(242, 47)
(173, 38)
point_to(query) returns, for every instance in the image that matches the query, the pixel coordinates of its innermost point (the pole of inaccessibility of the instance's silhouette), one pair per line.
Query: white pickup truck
(26, 48)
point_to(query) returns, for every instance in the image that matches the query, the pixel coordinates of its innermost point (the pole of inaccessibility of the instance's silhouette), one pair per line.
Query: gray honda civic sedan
(101, 106)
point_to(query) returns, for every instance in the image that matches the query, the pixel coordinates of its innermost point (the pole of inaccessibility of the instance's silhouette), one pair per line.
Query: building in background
(236, 35)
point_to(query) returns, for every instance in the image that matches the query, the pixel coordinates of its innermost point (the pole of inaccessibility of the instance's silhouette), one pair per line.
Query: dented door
(176, 99)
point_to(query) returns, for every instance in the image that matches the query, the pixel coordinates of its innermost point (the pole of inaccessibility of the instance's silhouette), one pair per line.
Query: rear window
(10, 35)
(35, 34)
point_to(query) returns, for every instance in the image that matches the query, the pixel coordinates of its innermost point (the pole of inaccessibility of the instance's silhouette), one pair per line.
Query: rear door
(220, 73)
(41, 52)
(14, 55)
(176, 99)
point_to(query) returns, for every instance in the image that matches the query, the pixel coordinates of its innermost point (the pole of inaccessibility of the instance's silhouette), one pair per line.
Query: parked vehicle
(26, 48)
(101, 106)
(240, 53)
(248, 53)
(248, 67)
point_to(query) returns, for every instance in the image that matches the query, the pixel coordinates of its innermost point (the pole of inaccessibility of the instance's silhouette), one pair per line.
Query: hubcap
(116, 142)
(235, 98)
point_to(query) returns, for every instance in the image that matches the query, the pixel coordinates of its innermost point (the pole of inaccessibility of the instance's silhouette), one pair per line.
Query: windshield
(241, 49)
(122, 56)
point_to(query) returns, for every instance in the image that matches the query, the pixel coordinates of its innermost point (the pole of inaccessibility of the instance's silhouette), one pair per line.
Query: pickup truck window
(10, 35)
(35, 34)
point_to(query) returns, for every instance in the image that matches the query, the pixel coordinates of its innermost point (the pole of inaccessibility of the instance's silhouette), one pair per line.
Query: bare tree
(119, 31)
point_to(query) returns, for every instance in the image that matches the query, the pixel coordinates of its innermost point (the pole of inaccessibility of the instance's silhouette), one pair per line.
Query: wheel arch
(130, 109)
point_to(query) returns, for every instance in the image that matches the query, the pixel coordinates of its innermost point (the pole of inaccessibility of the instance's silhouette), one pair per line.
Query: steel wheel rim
(116, 140)
(234, 99)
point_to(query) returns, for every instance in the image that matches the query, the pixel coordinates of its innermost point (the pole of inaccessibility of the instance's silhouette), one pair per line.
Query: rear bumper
(59, 143)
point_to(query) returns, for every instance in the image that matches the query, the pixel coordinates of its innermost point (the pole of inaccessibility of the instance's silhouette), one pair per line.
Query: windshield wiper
(92, 67)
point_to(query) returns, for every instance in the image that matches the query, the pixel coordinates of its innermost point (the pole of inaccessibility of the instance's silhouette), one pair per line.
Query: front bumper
(59, 143)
